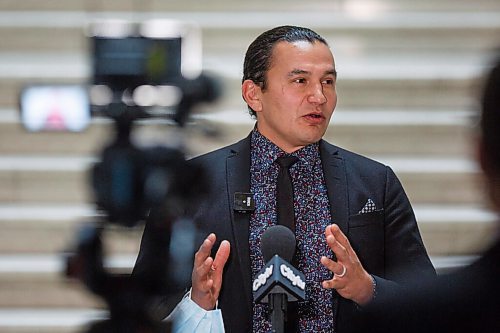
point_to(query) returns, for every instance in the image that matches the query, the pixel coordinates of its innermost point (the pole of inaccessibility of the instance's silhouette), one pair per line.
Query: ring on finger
(344, 270)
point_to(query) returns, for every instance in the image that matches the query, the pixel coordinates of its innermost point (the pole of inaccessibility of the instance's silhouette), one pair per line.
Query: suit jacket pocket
(360, 220)
(366, 235)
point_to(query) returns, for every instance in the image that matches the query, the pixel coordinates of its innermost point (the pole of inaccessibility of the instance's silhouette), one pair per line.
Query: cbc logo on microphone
(285, 271)
(294, 279)
(262, 278)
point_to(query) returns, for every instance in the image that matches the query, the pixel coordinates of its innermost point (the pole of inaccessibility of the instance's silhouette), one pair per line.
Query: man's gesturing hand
(206, 278)
(349, 277)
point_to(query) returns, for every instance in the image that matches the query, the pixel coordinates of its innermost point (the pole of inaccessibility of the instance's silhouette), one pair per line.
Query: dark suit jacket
(387, 241)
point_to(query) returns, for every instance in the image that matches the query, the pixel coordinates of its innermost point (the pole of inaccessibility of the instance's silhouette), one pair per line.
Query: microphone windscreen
(279, 240)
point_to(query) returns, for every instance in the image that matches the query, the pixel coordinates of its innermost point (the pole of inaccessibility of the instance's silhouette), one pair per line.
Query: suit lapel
(336, 184)
(238, 180)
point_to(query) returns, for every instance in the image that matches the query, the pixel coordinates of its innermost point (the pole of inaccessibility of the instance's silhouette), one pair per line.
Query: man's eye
(300, 80)
(328, 81)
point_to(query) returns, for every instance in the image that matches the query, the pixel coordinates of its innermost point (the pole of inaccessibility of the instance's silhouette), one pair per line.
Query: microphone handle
(278, 303)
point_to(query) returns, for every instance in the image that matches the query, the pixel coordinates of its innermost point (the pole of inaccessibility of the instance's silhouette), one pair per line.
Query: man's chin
(313, 135)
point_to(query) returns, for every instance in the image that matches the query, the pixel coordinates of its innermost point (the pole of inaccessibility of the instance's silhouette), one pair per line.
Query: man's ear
(251, 93)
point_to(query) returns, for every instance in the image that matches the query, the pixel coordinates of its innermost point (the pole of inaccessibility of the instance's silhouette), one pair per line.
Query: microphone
(279, 240)
(278, 282)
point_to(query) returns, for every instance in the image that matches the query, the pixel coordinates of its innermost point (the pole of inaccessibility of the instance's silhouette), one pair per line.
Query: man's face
(298, 102)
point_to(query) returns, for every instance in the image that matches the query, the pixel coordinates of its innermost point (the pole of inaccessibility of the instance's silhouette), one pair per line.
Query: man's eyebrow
(331, 72)
(302, 72)
(298, 72)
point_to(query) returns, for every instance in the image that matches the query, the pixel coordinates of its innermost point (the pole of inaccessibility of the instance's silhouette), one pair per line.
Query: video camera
(140, 70)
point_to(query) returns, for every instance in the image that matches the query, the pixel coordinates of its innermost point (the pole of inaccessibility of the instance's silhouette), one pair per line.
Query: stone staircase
(409, 75)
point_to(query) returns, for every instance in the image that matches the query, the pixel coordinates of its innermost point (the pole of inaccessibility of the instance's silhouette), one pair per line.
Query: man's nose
(316, 95)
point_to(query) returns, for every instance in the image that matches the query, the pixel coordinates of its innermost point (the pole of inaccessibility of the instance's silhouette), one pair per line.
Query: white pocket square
(368, 207)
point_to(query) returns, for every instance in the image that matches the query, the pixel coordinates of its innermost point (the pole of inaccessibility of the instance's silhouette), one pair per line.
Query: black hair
(258, 57)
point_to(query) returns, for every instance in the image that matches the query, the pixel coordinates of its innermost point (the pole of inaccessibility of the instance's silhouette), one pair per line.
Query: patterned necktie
(286, 217)
(284, 192)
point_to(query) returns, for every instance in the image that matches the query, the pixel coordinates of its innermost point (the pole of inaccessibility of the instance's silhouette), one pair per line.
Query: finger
(217, 267)
(201, 280)
(337, 248)
(334, 267)
(340, 236)
(201, 272)
(335, 282)
(328, 231)
(204, 251)
(221, 256)
(327, 284)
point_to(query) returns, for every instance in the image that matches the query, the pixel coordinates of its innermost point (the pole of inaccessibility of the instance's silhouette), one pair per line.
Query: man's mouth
(314, 116)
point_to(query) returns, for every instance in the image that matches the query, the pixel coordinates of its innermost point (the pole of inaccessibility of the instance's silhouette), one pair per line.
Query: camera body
(150, 69)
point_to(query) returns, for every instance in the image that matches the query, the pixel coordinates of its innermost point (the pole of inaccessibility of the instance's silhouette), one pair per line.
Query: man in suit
(355, 228)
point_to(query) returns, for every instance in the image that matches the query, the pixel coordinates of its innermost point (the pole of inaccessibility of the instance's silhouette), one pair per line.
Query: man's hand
(206, 278)
(349, 277)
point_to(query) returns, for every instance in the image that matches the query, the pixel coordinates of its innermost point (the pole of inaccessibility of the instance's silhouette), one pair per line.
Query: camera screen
(55, 108)
(123, 63)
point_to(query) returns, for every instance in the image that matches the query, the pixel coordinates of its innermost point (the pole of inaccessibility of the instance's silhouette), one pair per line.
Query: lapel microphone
(244, 202)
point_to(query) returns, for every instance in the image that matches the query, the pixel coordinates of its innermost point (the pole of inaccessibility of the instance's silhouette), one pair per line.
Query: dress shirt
(312, 215)
(188, 317)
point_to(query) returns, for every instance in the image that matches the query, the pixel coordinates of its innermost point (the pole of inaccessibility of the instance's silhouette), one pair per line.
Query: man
(346, 206)
(466, 300)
